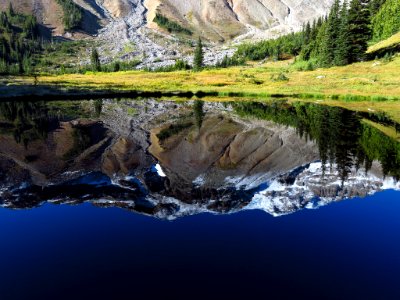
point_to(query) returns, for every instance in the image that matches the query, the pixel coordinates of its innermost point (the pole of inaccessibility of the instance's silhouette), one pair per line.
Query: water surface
(144, 197)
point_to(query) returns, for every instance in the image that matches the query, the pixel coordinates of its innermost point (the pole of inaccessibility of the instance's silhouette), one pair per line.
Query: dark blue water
(347, 250)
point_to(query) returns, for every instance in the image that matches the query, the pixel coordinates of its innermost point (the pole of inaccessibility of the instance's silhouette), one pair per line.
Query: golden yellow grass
(367, 86)
(372, 79)
(393, 40)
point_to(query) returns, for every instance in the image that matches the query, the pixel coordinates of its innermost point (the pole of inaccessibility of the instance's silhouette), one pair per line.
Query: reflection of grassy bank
(368, 86)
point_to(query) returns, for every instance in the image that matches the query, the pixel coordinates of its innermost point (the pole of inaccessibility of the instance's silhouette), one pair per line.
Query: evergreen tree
(307, 33)
(198, 61)
(331, 36)
(95, 60)
(359, 31)
(386, 21)
(30, 27)
(343, 44)
(375, 6)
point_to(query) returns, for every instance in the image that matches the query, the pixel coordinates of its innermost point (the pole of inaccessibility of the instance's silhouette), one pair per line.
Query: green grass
(358, 82)
(393, 40)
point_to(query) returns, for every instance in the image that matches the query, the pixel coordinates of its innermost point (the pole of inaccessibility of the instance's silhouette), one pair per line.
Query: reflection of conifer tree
(322, 136)
(339, 134)
(98, 107)
(29, 120)
(198, 112)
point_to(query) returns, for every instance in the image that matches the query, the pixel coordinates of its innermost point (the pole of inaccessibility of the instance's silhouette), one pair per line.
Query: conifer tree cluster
(19, 40)
(338, 39)
(386, 21)
(342, 37)
(73, 14)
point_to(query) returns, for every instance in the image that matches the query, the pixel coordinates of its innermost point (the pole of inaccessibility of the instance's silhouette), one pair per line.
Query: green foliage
(339, 39)
(386, 21)
(169, 25)
(180, 65)
(340, 135)
(18, 42)
(375, 6)
(359, 30)
(26, 121)
(95, 60)
(289, 45)
(10, 10)
(73, 15)
(230, 61)
(198, 60)
(279, 77)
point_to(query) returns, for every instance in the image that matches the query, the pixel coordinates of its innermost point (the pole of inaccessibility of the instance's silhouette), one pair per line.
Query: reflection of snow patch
(280, 198)
(199, 181)
(160, 170)
(247, 182)
(390, 184)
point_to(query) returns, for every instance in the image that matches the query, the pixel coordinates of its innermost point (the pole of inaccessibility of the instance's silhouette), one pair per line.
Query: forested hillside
(72, 14)
(387, 20)
(19, 40)
(340, 38)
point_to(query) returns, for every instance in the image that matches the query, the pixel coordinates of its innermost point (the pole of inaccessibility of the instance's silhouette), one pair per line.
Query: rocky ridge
(125, 29)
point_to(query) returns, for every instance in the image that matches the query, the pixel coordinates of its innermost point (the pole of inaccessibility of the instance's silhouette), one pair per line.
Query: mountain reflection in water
(170, 159)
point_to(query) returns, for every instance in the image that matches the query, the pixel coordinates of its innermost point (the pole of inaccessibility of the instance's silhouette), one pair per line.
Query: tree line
(339, 38)
(19, 40)
(386, 21)
(341, 137)
(72, 14)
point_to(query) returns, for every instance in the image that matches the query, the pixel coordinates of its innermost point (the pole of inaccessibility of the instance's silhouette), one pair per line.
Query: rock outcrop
(226, 19)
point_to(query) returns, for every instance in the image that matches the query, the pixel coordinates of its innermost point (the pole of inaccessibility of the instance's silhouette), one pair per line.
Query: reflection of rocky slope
(308, 187)
(73, 147)
(169, 160)
(225, 152)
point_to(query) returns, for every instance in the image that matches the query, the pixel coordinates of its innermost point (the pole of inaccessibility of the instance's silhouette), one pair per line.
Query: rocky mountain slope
(125, 29)
(225, 19)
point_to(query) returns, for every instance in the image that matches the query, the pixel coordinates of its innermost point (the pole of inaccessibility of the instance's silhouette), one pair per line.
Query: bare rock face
(225, 19)
(117, 8)
(218, 20)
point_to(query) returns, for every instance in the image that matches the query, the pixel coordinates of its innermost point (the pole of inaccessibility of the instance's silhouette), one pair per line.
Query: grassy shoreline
(366, 86)
(372, 80)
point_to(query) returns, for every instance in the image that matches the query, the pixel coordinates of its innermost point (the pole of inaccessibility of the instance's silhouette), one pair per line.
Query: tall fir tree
(375, 6)
(332, 34)
(198, 61)
(95, 60)
(343, 43)
(359, 32)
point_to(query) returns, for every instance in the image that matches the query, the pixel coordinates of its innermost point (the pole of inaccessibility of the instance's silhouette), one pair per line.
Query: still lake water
(121, 199)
